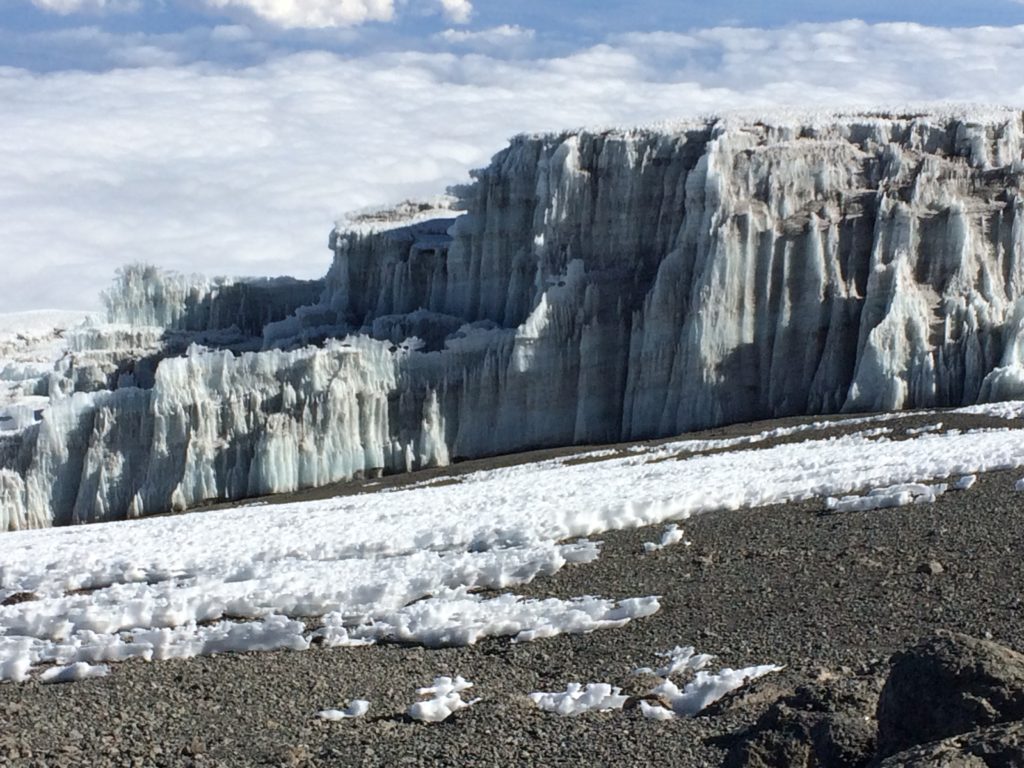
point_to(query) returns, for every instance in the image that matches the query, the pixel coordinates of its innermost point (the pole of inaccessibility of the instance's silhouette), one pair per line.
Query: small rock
(931, 568)
(194, 748)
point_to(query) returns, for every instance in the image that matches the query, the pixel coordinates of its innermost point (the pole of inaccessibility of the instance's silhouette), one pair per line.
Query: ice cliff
(591, 287)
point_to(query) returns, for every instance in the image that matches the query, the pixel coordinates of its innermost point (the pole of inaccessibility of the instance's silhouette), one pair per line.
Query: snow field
(405, 564)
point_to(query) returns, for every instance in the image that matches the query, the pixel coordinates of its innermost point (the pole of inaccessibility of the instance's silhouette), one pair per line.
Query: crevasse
(592, 287)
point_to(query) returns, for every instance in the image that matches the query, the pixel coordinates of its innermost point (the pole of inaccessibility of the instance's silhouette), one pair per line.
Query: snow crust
(586, 287)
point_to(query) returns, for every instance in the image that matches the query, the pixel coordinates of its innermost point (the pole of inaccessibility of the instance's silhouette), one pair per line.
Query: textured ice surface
(32, 344)
(597, 287)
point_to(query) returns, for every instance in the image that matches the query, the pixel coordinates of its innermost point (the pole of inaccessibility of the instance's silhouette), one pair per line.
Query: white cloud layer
(502, 35)
(85, 6)
(459, 11)
(242, 171)
(312, 13)
(289, 14)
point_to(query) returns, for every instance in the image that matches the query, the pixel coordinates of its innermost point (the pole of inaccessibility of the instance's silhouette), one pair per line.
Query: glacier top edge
(799, 116)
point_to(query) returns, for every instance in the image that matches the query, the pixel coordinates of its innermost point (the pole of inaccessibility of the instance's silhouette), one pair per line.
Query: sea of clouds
(215, 150)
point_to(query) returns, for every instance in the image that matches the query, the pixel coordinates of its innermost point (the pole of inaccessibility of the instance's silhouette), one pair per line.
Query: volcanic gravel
(826, 595)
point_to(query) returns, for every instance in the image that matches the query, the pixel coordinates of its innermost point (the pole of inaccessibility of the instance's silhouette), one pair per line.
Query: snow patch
(680, 659)
(673, 534)
(964, 482)
(1009, 409)
(923, 430)
(356, 708)
(445, 700)
(656, 712)
(577, 699)
(703, 689)
(456, 618)
(73, 672)
(707, 688)
(885, 498)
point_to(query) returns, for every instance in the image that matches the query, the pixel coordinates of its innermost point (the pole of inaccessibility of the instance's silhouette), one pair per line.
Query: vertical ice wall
(660, 281)
(598, 286)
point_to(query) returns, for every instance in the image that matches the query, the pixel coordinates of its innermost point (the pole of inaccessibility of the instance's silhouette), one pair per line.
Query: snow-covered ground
(407, 564)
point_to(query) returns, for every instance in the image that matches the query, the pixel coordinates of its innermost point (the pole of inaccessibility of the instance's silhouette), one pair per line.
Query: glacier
(586, 287)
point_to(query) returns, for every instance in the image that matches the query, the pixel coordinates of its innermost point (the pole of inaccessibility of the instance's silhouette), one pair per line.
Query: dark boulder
(817, 725)
(998, 746)
(947, 685)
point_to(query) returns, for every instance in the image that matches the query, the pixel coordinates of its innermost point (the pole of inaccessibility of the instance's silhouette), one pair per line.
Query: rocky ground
(831, 596)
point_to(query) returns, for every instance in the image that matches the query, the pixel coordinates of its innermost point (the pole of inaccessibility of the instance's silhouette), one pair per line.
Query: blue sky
(555, 28)
(225, 136)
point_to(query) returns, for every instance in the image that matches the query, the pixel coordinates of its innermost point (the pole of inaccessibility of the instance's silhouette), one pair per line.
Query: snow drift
(586, 287)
